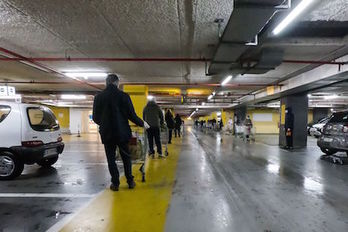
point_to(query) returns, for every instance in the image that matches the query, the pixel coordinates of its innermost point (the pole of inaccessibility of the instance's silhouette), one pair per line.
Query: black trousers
(177, 131)
(289, 141)
(110, 150)
(154, 133)
(170, 131)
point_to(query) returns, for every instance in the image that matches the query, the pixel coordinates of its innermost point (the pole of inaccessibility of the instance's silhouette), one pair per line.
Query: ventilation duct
(268, 60)
(247, 19)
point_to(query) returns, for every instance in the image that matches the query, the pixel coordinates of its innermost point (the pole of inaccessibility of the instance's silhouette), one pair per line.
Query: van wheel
(46, 163)
(10, 166)
(328, 151)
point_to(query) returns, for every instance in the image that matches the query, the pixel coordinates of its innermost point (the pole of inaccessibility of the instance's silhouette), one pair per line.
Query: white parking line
(46, 195)
(60, 224)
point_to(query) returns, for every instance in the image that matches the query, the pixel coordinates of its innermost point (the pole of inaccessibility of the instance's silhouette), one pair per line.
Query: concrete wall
(80, 121)
(265, 126)
(262, 127)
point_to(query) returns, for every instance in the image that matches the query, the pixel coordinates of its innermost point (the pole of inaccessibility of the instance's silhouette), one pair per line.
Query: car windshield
(42, 119)
(4, 111)
(323, 120)
(341, 117)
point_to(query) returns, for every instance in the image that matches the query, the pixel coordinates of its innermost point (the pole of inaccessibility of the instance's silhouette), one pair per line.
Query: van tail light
(34, 143)
(60, 139)
(345, 128)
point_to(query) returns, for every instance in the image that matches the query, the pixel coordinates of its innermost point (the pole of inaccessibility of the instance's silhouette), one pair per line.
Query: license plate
(328, 140)
(50, 152)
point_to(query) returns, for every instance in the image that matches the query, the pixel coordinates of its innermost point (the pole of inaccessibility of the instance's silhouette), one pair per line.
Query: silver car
(335, 134)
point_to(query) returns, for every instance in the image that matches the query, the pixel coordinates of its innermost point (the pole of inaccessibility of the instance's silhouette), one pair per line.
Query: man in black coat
(289, 127)
(112, 109)
(170, 124)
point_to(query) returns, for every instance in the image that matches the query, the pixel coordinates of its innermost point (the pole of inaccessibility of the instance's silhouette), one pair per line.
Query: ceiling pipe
(32, 63)
(68, 59)
(161, 59)
(142, 83)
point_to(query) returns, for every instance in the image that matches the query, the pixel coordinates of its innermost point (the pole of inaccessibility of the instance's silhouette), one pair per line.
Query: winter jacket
(112, 109)
(153, 115)
(169, 120)
(178, 121)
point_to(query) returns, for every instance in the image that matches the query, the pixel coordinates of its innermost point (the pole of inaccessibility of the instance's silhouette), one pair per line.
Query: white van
(28, 134)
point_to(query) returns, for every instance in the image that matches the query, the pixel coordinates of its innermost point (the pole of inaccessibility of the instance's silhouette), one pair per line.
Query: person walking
(153, 115)
(289, 127)
(112, 108)
(170, 124)
(178, 123)
(248, 124)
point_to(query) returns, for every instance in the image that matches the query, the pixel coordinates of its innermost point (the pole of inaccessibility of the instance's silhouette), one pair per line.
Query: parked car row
(28, 134)
(315, 130)
(334, 135)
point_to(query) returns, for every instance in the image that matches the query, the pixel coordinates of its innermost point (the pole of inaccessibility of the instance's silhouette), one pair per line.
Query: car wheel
(328, 151)
(10, 166)
(47, 162)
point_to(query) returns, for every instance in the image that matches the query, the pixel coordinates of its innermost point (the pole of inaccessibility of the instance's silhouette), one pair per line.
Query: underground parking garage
(229, 115)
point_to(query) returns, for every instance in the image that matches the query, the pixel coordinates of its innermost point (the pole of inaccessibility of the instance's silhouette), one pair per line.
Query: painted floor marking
(46, 195)
(141, 209)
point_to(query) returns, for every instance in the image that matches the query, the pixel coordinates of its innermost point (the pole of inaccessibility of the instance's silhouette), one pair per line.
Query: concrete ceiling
(145, 29)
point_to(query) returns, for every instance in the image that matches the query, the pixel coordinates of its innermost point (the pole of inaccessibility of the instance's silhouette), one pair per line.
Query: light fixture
(330, 97)
(203, 103)
(197, 109)
(227, 79)
(210, 97)
(309, 95)
(150, 97)
(85, 75)
(293, 14)
(72, 97)
(192, 114)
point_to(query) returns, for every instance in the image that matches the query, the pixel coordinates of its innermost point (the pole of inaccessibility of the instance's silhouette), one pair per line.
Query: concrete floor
(226, 185)
(79, 174)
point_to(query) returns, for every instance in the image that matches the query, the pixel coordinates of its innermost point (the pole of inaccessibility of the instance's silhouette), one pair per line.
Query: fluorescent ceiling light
(86, 75)
(150, 97)
(192, 114)
(72, 97)
(210, 97)
(292, 16)
(330, 97)
(227, 79)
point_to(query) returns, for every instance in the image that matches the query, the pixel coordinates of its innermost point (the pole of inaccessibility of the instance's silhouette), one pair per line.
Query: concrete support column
(319, 113)
(241, 114)
(138, 94)
(298, 104)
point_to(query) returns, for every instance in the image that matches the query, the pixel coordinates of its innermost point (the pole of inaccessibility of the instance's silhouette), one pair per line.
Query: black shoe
(114, 187)
(131, 185)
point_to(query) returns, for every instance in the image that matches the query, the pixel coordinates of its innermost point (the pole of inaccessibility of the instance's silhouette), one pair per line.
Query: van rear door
(42, 125)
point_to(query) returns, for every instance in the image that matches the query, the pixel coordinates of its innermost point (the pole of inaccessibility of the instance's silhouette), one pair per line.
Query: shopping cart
(138, 149)
(165, 139)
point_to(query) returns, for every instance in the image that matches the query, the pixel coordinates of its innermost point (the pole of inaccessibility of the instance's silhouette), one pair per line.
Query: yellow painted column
(63, 116)
(224, 117)
(138, 94)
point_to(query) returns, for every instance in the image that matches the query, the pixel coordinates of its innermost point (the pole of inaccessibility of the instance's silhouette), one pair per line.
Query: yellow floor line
(141, 209)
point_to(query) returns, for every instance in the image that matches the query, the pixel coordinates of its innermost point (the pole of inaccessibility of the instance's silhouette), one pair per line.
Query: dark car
(335, 134)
